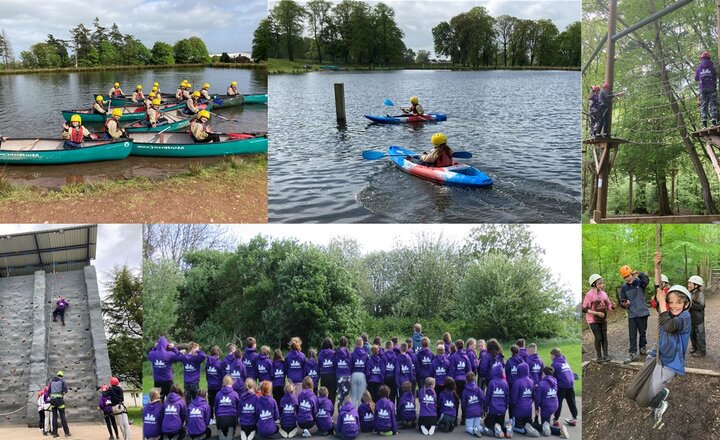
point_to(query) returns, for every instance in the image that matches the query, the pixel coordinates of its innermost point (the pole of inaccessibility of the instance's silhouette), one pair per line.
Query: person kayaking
(116, 91)
(137, 95)
(232, 89)
(441, 155)
(154, 116)
(112, 128)
(75, 133)
(205, 93)
(156, 91)
(200, 129)
(191, 105)
(99, 106)
(415, 107)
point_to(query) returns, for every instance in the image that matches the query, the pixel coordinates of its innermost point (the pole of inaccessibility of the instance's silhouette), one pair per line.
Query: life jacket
(233, 90)
(147, 114)
(413, 108)
(105, 126)
(139, 95)
(179, 94)
(197, 121)
(76, 134)
(444, 159)
(116, 92)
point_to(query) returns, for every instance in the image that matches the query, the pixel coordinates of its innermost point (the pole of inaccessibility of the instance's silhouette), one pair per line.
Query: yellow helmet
(234, 83)
(76, 118)
(155, 89)
(139, 87)
(99, 98)
(117, 112)
(188, 85)
(206, 86)
(196, 94)
(204, 114)
(155, 101)
(438, 139)
(117, 84)
(155, 84)
(414, 100)
(183, 84)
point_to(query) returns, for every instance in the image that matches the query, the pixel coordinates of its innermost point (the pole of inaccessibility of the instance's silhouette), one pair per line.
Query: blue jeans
(708, 101)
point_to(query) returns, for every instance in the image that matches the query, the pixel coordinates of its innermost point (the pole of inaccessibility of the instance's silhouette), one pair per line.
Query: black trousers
(636, 326)
(278, 393)
(211, 402)
(460, 384)
(329, 381)
(58, 408)
(390, 382)
(191, 390)
(164, 386)
(492, 419)
(41, 422)
(697, 338)
(569, 395)
(374, 388)
(110, 422)
(599, 330)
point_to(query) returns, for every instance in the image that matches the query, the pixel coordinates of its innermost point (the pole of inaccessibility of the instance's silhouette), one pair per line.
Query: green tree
(82, 44)
(409, 56)
(99, 35)
(543, 46)
(513, 241)
(504, 26)
(444, 40)
(569, 42)
(108, 55)
(318, 18)
(289, 16)
(423, 56)
(162, 53)
(261, 40)
(224, 58)
(388, 44)
(160, 301)
(134, 52)
(191, 50)
(60, 49)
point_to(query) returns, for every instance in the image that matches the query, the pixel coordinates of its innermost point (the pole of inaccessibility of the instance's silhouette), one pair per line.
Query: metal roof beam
(45, 250)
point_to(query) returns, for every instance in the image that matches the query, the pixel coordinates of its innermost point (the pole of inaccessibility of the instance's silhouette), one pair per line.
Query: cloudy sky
(224, 25)
(117, 245)
(561, 242)
(416, 18)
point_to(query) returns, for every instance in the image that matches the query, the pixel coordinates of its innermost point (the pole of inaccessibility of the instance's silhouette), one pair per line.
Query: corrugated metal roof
(58, 250)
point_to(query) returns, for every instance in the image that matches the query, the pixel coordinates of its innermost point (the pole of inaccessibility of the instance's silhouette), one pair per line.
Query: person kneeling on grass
(407, 410)
(200, 129)
(198, 420)
(366, 412)
(324, 415)
(441, 155)
(385, 419)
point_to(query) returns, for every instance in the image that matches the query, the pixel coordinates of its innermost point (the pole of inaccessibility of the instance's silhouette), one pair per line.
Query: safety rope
(658, 239)
(17, 410)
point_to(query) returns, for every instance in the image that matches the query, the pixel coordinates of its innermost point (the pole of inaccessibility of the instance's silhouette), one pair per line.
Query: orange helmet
(625, 271)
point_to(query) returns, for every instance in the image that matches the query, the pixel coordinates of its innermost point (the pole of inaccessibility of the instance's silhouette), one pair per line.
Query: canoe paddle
(224, 118)
(373, 155)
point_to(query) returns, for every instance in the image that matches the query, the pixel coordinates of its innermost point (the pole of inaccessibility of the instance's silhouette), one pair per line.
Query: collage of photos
(277, 219)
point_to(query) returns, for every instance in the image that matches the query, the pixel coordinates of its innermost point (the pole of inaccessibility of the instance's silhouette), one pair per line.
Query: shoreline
(260, 65)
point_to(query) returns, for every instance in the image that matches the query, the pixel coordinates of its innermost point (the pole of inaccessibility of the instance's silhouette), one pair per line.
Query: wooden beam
(674, 219)
(713, 158)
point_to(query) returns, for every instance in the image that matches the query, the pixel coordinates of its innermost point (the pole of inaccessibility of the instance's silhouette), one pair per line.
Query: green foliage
(40, 55)
(108, 55)
(261, 40)
(423, 56)
(509, 240)
(289, 17)
(160, 302)
(162, 53)
(126, 356)
(191, 50)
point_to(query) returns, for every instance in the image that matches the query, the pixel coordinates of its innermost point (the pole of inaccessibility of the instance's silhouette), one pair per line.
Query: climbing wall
(16, 330)
(70, 347)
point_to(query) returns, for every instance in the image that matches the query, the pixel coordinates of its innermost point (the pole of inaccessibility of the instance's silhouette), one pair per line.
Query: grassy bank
(276, 65)
(261, 65)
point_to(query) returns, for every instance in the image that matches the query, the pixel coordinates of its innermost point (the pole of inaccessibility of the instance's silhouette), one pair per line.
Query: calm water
(521, 127)
(30, 107)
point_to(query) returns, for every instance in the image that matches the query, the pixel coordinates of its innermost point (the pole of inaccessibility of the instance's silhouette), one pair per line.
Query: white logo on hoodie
(159, 363)
(327, 363)
(527, 392)
(499, 392)
(349, 418)
(428, 399)
(211, 370)
(225, 401)
(294, 364)
(383, 413)
(149, 418)
(195, 412)
(248, 408)
(265, 414)
(473, 399)
(171, 409)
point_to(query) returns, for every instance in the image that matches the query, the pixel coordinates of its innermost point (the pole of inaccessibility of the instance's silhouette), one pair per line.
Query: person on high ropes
(605, 97)
(706, 76)
(593, 110)
(60, 305)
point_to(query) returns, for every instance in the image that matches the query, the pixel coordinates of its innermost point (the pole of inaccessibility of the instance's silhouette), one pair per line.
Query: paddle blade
(372, 155)
(218, 101)
(462, 154)
(388, 103)
(236, 136)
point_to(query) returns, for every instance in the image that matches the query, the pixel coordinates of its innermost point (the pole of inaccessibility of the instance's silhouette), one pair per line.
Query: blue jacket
(635, 293)
(674, 337)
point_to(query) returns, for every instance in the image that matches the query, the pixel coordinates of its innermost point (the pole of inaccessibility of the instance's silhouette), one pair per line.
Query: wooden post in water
(340, 102)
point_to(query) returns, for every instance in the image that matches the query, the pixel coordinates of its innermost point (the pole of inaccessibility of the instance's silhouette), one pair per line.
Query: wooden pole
(340, 101)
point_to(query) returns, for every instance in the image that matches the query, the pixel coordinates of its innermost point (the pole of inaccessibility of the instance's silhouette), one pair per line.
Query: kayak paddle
(388, 103)
(373, 155)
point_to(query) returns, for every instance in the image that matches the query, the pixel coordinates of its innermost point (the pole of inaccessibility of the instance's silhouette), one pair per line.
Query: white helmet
(664, 279)
(695, 280)
(681, 289)
(593, 278)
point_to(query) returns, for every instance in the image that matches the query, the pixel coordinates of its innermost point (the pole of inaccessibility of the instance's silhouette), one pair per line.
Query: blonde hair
(289, 388)
(266, 387)
(296, 343)
(228, 380)
(249, 383)
(154, 394)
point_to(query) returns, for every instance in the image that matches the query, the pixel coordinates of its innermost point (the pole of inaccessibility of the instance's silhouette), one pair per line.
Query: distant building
(233, 55)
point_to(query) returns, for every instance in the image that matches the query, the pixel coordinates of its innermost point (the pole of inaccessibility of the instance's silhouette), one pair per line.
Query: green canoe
(38, 151)
(129, 113)
(222, 101)
(126, 101)
(180, 144)
(176, 120)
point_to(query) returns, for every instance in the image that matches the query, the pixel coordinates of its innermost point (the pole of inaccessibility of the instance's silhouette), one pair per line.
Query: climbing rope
(17, 410)
(658, 239)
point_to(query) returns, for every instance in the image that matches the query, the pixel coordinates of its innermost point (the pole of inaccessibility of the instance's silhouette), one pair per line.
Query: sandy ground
(79, 431)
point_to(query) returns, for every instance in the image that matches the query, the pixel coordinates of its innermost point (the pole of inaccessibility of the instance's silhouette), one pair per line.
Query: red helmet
(606, 86)
(596, 88)
(103, 388)
(705, 54)
(114, 381)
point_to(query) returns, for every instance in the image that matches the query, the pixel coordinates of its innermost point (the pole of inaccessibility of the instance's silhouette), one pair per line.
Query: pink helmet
(705, 54)
(606, 86)
(596, 88)
(103, 388)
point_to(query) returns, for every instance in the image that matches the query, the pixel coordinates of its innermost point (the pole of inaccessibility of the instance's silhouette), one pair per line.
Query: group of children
(376, 389)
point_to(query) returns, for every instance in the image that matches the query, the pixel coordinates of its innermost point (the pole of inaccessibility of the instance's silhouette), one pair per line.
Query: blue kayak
(427, 117)
(458, 174)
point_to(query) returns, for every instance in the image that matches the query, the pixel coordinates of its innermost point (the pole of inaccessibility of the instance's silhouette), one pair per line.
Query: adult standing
(57, 390)
(117, 400)
(596, 306)
(632, 298)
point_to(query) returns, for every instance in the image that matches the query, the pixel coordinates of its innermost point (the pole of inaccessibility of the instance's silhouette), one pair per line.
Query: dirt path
(229, 196)
(618, 336)
(79, 431)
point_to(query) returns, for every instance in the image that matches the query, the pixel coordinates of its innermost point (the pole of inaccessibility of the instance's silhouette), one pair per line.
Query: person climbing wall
(60, 307)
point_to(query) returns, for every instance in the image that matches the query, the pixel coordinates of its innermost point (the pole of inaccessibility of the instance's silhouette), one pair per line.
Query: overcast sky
(117, 245)
(416, 18)
(224, 25)
(561, 242)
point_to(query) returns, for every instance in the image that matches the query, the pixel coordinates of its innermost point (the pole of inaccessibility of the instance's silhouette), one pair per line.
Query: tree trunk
(663, 199)
(630, 194)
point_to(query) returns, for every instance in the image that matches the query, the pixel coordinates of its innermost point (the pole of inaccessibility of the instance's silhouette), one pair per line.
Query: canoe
(177, 120)
(427, 117)
(39, 151)
(129, 113)
(222, 101)
(458, 174)
(126, 100)
(181, 144)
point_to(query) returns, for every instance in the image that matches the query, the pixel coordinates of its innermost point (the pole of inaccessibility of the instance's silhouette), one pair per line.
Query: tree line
(491, 285)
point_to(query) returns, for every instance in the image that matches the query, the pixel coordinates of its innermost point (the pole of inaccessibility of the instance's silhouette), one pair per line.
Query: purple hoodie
(459, 365)
(278, 373)
(389, 357)
(474, 363)
(385, 416)
(472, 401)
(546, 396)
(347, 421)
(238, 373)
(192, 365)
(62, 304)
(175, 414)
(563, 372)
(161, 360)
(152, 417)
(307, 406)
(428, 402)
(295, 366)
(342, 362)
(226, 362)
(511, 369)
(288, 411)
(367, 417)
(448, 403)
(497, 398)
(198, 416)
(536, 365)
(312, 370)
(707, 75)
(264, 368)
(104, 402)
(267, 414)
(404, 369)
(324, 416)
(424, 367)
(521, 393)
(214, 373)
(326, 360)
(375, 369)
(486, 364)
(250, 361)
(440, 367)
(522, 352)
(226, 402)
(248, 406)
(407, 410)
(358, 360)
